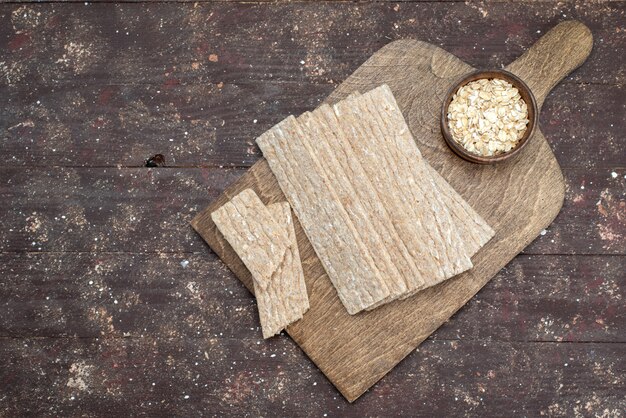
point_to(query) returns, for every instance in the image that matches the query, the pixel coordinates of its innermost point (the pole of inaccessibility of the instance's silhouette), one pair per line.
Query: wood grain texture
(147, 210)
(355, 352)
(441, 378)
(536, 298)
(553, 57)
(107, 89)
(560, 301)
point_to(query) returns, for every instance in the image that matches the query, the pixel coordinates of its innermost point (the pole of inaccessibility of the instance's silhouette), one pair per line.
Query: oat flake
(488, 116)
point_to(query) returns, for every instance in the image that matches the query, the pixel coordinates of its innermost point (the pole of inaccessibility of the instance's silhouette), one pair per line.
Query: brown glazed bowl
(525, 93)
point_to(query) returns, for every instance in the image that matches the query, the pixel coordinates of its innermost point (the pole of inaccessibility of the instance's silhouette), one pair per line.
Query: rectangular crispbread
(329, 227)
(473, 229)
(421, 220)
(359, 197)
(446, 256)
(384, 224)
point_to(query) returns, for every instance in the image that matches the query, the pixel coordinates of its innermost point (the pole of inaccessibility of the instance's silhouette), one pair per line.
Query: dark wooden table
(111, 305)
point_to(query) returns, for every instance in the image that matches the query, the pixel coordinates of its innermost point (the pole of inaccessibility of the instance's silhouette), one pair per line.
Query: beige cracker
(329, 227)
(264, 238)
(395, 164)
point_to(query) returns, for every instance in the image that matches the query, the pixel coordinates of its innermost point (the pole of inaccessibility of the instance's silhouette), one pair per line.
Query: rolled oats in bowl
(487, 117)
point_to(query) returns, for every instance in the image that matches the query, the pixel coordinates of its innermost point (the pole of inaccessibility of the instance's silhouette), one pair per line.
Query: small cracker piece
(264, 238)
(249, 228)
(285, 299)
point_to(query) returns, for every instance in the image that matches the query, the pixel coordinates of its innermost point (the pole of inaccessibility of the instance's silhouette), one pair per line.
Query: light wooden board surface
(518, 199)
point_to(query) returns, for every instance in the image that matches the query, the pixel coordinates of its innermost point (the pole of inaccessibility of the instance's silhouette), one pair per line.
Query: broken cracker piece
(264, 238)
(248, 227)
(285, 299)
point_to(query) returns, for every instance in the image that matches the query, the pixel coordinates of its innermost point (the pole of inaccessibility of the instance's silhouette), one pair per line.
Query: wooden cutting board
(518, 199)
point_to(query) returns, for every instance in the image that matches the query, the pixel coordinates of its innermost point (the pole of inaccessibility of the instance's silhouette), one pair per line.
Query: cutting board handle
(559, 52)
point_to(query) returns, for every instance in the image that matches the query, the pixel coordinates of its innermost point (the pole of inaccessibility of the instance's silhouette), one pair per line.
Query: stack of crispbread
(382, 221)
(265, 240)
